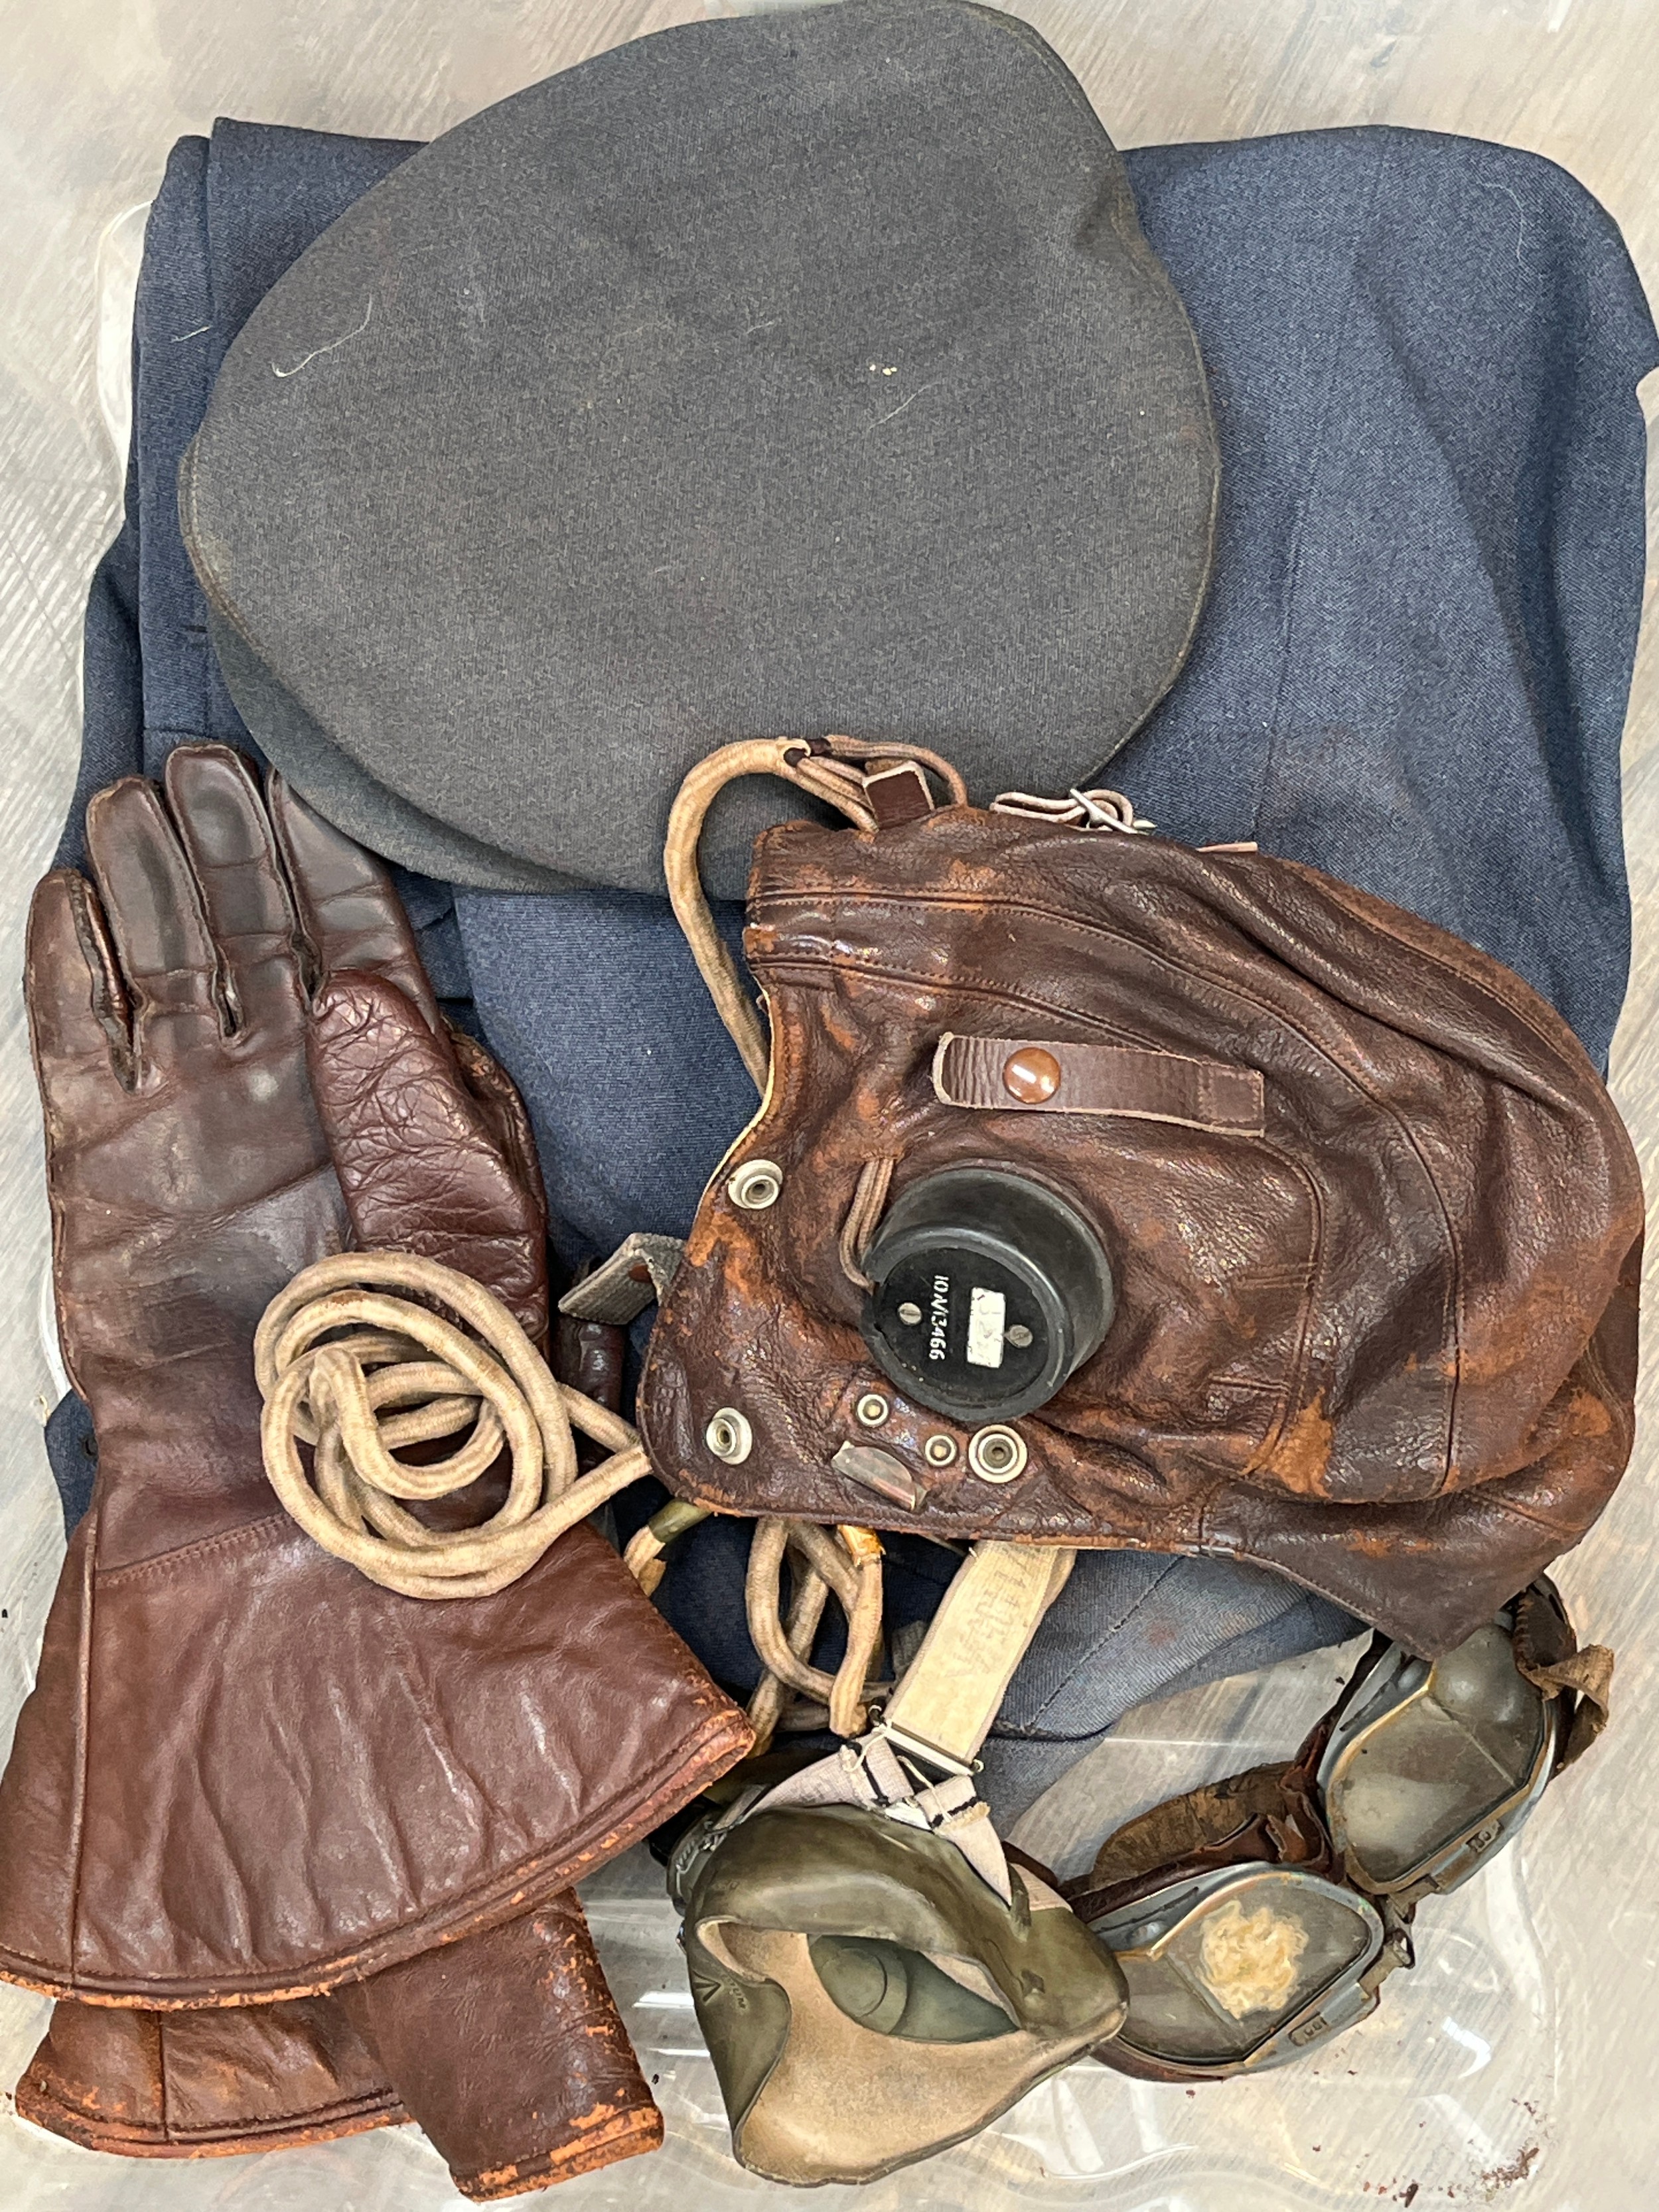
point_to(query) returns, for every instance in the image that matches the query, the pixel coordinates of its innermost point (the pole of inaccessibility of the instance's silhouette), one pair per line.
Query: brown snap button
(1031, 1075)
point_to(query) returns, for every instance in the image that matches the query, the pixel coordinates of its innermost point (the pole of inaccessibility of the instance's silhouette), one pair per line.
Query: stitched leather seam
(1554, 1045)
(311, 2118)
(250, 1535)
(1560, 1531)
(299, 2129)
(1295, 1388)
(836, 894)
(84, 1687)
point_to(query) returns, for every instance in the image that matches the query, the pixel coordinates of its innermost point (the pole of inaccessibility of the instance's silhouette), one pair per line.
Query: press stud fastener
(1031, 1075)
(938, 1449)
(729, 1437)
(871, 1410)
(997, 1454)
(756, 1185)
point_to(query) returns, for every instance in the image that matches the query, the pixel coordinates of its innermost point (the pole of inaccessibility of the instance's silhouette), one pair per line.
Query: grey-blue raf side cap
(795, 374)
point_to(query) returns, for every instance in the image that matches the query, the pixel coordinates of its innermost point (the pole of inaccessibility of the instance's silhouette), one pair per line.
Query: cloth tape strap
(637, 1275)
(953, 1689)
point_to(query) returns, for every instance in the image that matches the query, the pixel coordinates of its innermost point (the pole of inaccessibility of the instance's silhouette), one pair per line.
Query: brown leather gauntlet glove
(450, 1762)
(506, 2047)
(203, 2084)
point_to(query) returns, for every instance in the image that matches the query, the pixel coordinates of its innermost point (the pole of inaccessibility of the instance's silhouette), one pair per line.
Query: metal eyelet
(997, 1454)
(938, 1449)
(729, 1437)
(871, 1410)
(756, 1185)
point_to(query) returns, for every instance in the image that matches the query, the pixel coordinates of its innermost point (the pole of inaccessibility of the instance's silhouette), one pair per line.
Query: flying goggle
(1255, 1917)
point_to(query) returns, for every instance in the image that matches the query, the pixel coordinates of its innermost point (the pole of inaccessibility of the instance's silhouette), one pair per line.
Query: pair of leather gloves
(295, 1854)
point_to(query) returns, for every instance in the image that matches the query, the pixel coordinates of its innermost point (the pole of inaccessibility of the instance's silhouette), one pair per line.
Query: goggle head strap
(1268, 1815)
(1546, 1651)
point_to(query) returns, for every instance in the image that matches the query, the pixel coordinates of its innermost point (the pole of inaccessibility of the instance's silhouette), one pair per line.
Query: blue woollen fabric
(1412, 671)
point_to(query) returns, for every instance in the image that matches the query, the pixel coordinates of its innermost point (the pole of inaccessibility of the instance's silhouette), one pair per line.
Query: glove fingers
(157, 922)
(77, 1004)
(348, 908)
(420, 1168)
(225, 831)
(502, 1111)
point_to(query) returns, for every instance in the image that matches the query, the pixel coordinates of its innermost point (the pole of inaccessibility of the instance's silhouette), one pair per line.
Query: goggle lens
(1236, 1968)
(1415, 1781)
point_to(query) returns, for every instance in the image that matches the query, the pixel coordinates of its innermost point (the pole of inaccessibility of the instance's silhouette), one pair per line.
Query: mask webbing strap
(953, 1688)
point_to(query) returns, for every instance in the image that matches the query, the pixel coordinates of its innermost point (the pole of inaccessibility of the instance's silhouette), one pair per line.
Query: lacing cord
(355, 1359)
(358, 1374)
(869, 1204)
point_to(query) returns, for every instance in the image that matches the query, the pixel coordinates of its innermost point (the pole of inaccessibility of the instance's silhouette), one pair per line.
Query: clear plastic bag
(1518, 2063)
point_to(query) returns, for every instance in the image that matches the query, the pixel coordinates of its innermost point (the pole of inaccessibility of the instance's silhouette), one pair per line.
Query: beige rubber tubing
(826, 773)
(852, 1570)
(335, 1396)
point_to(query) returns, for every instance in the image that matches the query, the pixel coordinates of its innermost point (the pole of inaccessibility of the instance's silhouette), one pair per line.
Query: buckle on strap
(915, 1751)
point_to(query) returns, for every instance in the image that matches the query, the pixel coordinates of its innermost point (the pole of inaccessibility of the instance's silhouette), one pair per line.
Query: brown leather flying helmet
(1106, 1192)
